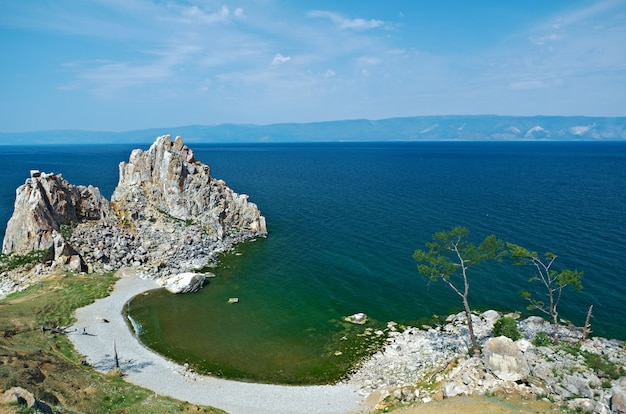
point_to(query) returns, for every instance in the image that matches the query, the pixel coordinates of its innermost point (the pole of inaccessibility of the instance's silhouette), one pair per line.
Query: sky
(119, 65)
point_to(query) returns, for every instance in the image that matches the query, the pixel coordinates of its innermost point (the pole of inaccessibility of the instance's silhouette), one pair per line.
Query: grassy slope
(46, 364)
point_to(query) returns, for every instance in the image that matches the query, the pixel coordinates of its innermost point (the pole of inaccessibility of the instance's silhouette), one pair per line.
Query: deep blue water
(344, 219)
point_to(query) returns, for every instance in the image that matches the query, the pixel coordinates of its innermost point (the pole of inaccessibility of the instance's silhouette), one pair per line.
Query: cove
(272, 335)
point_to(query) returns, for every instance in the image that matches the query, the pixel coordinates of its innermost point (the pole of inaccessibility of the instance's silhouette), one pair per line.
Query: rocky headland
(167, 216)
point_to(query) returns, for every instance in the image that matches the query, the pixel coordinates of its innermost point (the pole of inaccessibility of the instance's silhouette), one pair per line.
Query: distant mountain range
(419, 128)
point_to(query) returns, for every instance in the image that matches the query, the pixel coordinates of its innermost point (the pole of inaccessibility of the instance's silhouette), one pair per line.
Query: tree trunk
(586, 330)
(470, 327)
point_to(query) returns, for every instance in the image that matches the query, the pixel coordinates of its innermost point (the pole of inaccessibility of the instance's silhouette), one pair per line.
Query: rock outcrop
(168, 180)
(420, 365)
(44, 204)
(167, 216)
(19, 397)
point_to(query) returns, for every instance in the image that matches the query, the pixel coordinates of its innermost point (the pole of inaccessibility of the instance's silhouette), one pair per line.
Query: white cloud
(345, 23)
(528, 84)
(195, 14)
(239, 13)
(368, 60)
(279, 59)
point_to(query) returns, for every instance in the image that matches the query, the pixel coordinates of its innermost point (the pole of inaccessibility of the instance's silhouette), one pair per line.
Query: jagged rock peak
(167, 216)
(43, 204)
(167, 179)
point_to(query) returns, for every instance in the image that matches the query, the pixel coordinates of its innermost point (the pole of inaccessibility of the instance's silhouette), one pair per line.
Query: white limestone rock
(187, 282)
(618, 396)
(504, 359)
(358, 318)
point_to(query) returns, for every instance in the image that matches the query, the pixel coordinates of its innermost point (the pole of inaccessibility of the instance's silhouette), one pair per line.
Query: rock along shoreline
(416, 366)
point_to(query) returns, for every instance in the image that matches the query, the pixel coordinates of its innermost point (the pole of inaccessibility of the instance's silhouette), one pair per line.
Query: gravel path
(143, 367)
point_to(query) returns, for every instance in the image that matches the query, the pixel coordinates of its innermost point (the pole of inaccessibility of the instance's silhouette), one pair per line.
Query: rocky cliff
(167, 180)
(43, 205)
(167, 215)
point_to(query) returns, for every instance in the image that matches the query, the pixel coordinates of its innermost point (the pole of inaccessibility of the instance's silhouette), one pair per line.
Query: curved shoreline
(143, 367)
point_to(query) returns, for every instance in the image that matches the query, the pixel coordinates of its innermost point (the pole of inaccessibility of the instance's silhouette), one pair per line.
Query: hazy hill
(420, 128)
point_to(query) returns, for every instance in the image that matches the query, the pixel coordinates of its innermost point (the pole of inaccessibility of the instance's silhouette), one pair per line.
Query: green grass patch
(600, 364)
(45, 363)
(10, 261)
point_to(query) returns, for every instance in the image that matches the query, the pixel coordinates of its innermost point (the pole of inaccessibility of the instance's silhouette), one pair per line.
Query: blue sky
(131, 64)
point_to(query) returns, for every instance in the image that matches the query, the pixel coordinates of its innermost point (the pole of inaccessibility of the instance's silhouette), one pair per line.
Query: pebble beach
(101, 331)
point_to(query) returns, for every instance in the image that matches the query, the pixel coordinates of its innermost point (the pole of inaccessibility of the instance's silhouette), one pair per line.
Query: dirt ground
(481, 405)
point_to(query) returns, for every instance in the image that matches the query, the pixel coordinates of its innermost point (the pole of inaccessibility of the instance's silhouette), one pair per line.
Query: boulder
(23, 398)
(504, 359)
(358, 318)
(618, 397)
(18, 396)
(451, 389)
(184, 282)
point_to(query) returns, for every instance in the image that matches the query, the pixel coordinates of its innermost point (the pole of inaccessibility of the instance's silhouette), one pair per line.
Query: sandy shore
(149, 370)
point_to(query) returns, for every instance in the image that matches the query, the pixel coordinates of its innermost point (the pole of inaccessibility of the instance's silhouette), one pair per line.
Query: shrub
(66, 232)
(600, 364)
(542, 339)
(506, 326)
(12, 261)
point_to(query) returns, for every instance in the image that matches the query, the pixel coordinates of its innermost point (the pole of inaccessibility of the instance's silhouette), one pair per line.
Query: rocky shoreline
(419, 365)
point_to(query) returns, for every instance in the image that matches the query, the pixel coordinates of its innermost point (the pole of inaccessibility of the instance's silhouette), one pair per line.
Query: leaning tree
(449, 256)
(553, 281)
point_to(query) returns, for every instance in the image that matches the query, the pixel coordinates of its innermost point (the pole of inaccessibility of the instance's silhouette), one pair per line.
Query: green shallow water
(268, 336)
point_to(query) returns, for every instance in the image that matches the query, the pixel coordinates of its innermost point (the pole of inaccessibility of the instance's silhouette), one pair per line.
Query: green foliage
(187, 222)
(13, 261)
(542, 339)
(553, 281)
(600, 364)
(450, 255)
(506, 326)
(66, 231)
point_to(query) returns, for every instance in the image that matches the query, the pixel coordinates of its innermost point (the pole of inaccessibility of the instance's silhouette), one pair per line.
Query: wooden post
(586, 328)
(117, 361)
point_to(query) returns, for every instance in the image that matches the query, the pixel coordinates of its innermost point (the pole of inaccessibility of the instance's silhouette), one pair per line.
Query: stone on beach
(504, 359)
(187, 282)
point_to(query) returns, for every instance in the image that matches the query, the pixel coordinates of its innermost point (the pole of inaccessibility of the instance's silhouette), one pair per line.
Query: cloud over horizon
(142, 63)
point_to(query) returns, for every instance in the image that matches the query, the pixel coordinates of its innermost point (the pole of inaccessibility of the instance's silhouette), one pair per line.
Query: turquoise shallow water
(344, 220)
